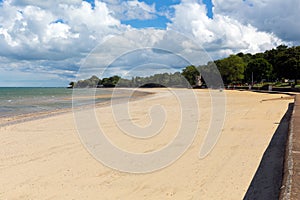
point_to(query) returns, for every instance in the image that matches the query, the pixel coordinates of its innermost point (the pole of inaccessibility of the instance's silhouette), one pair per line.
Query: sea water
(22, 100)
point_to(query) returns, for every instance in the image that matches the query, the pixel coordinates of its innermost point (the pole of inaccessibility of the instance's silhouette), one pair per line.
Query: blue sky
(161, 21)
(46, 42)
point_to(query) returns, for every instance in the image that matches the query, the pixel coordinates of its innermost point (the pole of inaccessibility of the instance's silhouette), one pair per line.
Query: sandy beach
(45, 159)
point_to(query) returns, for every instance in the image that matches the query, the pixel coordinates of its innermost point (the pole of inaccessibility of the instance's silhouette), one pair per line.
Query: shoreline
(22, 118)
(142, 93)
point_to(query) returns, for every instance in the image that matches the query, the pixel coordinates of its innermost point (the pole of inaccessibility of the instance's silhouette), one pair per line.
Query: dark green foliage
(210, 75)
(190, 73)
(276, 64)
(110, 82)
(231, 68)
(260, 68)
(157, 80)
(272, 65)
(71, 84)
(288, 63)
(91, 82)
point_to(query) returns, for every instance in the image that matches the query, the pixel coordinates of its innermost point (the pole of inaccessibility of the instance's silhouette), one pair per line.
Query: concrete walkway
(291, 179)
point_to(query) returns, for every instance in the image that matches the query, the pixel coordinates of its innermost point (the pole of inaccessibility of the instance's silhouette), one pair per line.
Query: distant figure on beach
(198, 81)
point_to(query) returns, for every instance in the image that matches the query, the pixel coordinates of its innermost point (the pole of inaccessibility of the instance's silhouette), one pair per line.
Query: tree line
(273, 65)
(157, 80)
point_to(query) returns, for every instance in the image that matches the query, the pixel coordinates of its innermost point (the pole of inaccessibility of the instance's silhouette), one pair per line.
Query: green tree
(210, 75)
(111, 81)
(246, 57)
(231, 69)
(190, 73)
(93, 81)
(124, 83)
(288, 63)
(260, 68)
(71, 84)
(177, 80)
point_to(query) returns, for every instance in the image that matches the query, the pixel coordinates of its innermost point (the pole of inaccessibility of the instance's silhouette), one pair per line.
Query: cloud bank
(53, 38)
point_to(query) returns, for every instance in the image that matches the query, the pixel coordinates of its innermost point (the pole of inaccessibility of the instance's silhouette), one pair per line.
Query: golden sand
(44, 158)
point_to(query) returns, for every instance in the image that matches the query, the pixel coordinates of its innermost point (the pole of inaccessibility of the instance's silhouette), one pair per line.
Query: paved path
(291, 179)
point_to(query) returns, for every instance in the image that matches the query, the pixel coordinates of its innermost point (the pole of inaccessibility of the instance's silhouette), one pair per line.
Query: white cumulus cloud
(132, 9)
(222, 35)
(273, 16)
(52, 36)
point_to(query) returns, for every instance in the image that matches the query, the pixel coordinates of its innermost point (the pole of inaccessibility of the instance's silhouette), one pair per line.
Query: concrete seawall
(290, 189)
